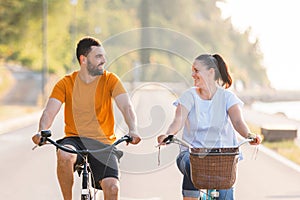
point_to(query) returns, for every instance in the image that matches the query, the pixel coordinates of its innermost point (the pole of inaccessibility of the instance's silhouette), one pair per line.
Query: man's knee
(110, 186)
(114, 189)
(65, 157)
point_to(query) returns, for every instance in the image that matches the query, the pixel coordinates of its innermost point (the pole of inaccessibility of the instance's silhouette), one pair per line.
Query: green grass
(288, 149)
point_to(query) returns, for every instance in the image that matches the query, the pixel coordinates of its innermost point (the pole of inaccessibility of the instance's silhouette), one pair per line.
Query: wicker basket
(213, 168)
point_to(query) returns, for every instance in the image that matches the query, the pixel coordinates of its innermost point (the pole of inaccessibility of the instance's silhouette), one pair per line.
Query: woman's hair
(221, 70)
(84, 46)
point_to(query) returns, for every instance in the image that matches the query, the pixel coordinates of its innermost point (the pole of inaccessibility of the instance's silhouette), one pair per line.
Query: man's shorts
(102, 164)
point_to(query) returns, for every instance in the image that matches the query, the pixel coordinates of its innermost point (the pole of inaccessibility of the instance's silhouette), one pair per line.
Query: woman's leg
(189, 192)
(226, 194)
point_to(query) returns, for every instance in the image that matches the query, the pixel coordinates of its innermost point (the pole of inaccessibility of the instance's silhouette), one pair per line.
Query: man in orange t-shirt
(88, 95)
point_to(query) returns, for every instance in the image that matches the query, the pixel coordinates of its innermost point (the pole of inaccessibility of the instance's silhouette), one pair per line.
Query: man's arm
(52, 108)
(124, 104)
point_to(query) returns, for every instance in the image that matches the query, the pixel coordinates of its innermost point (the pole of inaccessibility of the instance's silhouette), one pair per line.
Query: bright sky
(276, 24)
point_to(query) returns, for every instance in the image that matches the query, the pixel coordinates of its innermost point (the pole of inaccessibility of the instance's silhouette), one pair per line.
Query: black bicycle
(83, 169)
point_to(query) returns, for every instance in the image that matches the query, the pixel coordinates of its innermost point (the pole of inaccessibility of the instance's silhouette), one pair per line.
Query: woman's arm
(238, 122)
(177, 124)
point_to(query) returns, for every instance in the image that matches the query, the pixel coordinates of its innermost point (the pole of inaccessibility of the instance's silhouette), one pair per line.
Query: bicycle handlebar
(173, 139)
(45, 134)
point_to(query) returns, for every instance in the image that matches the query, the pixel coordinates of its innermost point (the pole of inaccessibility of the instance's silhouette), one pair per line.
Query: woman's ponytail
(223, 69)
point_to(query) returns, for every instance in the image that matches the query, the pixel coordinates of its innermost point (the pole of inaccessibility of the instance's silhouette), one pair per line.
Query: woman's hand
(257, 139)
(161, 138)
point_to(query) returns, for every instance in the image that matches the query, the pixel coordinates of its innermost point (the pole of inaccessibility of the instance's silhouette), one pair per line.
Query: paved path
(28, 174)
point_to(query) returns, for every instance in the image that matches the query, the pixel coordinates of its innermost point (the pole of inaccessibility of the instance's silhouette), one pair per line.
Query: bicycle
(212, 169)
(83, 170)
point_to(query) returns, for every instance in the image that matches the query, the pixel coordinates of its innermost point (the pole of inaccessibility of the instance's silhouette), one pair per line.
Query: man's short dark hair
(84, 46)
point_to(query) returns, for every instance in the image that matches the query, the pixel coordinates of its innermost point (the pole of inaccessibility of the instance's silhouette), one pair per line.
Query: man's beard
(93, 70)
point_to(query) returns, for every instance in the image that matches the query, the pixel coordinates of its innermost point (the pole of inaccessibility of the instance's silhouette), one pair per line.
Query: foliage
(21, 35)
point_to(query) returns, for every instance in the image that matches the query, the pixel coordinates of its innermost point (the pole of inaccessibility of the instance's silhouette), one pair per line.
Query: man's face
(95, 61)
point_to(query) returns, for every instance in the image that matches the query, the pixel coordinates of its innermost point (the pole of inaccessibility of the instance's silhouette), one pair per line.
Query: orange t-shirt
(88, 107)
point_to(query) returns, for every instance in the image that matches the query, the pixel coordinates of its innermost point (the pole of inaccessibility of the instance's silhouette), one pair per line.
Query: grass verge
(288, 149)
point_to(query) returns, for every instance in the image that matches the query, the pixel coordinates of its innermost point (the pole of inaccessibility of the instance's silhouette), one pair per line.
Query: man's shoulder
(69, 77)
(110, 76)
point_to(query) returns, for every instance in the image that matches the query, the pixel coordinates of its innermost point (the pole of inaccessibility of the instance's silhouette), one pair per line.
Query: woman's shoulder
(190, 91)
(226, 92)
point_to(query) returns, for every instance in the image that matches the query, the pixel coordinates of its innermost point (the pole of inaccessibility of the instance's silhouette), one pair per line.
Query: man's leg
(65, 165)
(111, 188)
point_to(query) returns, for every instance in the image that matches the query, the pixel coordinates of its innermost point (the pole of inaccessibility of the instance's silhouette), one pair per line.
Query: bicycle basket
(213, 168)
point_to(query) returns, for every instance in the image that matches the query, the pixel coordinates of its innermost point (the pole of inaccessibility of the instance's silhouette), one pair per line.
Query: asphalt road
(27, 174)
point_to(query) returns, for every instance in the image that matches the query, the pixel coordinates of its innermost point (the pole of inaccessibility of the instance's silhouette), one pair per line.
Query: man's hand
(36, 139)
(135, 138)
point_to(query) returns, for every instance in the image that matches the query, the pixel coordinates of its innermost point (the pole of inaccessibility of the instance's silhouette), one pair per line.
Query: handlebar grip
(168, 139)
(46, 133)
(127, 138)
(253, 140)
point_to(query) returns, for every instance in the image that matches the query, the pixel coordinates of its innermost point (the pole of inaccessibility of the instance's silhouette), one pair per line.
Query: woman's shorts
(102, 164)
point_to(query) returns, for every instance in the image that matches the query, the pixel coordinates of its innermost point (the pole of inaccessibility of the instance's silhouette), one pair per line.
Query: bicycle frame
(85, 192)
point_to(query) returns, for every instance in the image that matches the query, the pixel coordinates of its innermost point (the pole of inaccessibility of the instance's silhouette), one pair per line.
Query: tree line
(145, 40)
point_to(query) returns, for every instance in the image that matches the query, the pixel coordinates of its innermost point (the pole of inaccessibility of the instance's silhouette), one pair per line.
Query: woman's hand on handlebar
(161, 138)
(256, 139)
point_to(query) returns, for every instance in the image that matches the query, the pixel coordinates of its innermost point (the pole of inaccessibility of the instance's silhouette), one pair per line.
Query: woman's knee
(183, 162)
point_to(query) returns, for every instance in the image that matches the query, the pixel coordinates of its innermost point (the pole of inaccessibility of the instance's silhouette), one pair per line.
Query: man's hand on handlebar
(36, 139)
(135, 138)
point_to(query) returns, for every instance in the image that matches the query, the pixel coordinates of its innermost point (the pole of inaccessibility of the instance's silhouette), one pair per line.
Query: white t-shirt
(208, 124)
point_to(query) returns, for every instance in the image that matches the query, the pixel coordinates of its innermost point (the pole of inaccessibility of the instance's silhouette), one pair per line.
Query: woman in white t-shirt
(210, 116)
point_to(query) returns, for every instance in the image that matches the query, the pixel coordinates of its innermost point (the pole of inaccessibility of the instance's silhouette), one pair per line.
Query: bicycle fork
(210, 195)
(85, 192)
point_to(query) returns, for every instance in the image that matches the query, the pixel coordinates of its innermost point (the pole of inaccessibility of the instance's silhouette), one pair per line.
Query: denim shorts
(188, 188)
(102, 164)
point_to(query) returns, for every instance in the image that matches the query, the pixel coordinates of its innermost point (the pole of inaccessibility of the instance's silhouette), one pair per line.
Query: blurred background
(151, 45)
(39, 37)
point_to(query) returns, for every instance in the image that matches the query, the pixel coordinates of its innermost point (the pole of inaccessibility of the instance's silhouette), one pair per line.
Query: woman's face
(201, 75)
